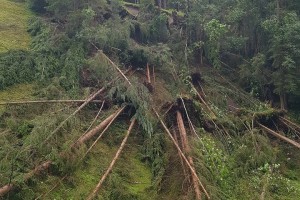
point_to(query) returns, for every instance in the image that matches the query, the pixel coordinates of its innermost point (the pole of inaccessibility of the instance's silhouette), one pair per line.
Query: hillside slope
(14, 18)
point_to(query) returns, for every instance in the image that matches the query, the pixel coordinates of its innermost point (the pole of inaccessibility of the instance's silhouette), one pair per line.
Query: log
(148, 74)
(181, 159)
(102, 133)
(181, 153)
(189, 120)
(117, 68)
(48, 101)
(296, 126)
(187, 150)
(96, 117)
(90, 98)
(153, 73)
(44, 166)
(270, 131)
(102, 126)
(9, 187)
(97, 188)
(290, 127)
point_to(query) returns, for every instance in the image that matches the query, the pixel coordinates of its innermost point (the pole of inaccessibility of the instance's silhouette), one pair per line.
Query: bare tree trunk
(95, 191)
(270, 131)
(183, 156)
(117, 68)
(48, 101)
(187, 150)
(98, 128)
(283, 101)
(148, 74)
(44, 166)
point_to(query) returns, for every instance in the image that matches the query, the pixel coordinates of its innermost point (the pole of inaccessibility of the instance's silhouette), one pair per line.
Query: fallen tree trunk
(90, 98)
(202, 101)
(181, 159)
(187, 150)
(117, 68)
(189, 120)
(9, 187)
(97, 188)
(44, 166)
(296, 126)
(270, 131)
(148, 74)
(102, 126)
(107, 126)
(181, 153)
(48, 101)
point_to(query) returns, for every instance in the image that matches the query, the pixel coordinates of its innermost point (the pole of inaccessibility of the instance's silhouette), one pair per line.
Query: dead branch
(183, 156)
(187, 149)
(97, 188)
(270, 131)
(48, 101)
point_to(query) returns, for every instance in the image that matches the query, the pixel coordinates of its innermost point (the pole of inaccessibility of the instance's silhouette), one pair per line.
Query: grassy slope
(13, 24)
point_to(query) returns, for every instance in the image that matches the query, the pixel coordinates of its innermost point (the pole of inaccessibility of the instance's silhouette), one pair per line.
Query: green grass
(13, 25)
(18, 92)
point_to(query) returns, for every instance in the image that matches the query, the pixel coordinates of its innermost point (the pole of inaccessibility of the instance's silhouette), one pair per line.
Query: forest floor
(13, 25)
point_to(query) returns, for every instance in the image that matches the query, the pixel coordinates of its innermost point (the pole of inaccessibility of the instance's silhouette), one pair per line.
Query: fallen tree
(48, 101)
(270, 131)
(187, 150)
(181, 153)
(97, 188)
(45, 165)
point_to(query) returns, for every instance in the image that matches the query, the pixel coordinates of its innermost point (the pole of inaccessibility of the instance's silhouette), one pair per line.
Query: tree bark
(187, 150)
(44, 166)
(181, 153)
(48, 101)
(270, 131)
(95, 191)
(283, 101)
(98, 128)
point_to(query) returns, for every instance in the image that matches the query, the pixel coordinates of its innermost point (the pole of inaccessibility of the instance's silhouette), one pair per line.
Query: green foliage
(38, 6)
(216, 32)
(16, 67)
(285, 48)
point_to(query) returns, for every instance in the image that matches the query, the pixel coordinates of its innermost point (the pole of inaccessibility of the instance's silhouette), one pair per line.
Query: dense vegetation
(224, 70)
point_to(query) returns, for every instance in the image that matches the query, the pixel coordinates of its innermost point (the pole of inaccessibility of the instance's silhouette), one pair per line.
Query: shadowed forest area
(145, 100)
